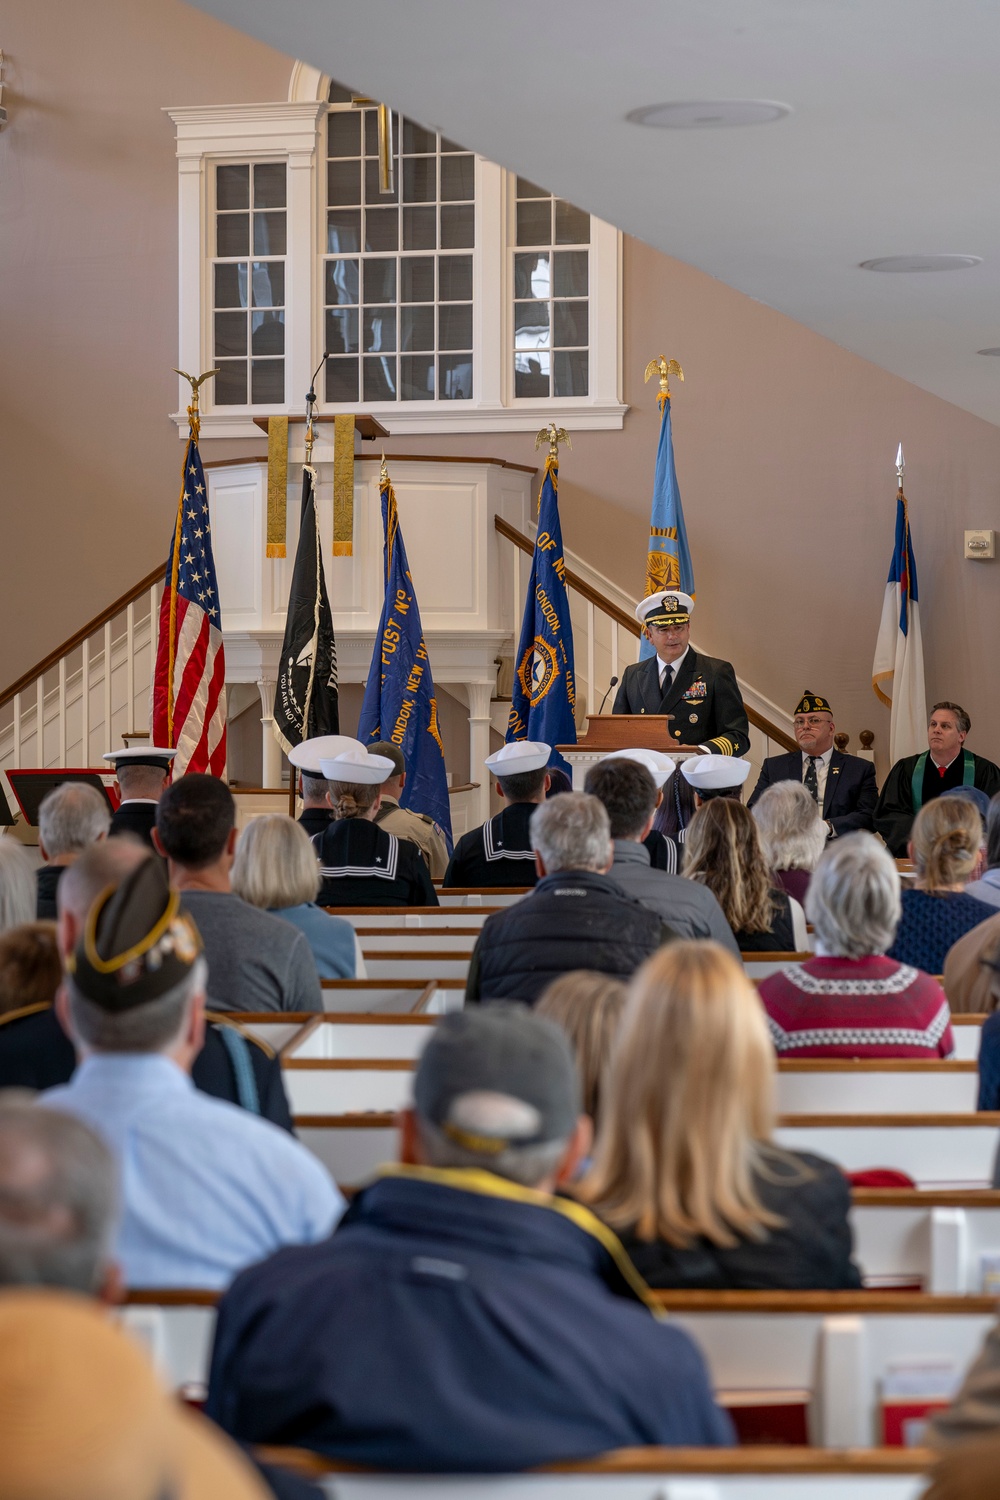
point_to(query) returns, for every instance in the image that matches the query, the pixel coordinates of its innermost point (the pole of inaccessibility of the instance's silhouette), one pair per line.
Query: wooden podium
(609, 732)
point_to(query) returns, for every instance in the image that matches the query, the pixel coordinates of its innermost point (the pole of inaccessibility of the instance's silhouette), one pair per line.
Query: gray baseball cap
(498, 1048)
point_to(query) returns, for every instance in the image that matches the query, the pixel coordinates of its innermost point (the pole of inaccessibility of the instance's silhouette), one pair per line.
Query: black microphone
(311, 392)
(604, 700)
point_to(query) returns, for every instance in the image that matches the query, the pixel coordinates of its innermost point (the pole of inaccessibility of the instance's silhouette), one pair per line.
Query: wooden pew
(937, 1237)
(418, 918)
(361, 1036)
(935, 1150)
(967, 1031)
(885, 1085)
(418, 963)
(390, 940)
(761, 965)
(836, 1345)
(394, 994)
(176, 1329)
(482, 896)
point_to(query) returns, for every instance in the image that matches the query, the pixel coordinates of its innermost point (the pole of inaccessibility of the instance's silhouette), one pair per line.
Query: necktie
(668, 677)
(941, 770)
(809, 780)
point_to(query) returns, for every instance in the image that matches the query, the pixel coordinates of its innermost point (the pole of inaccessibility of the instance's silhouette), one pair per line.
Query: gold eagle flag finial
(553, 435)
(664, 368)
(195, 381)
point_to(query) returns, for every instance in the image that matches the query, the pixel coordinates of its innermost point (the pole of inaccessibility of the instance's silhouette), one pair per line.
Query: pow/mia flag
(543, 702)
(306, 701)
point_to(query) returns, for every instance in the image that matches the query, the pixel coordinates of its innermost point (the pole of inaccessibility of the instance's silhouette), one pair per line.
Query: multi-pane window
(398, 265)
(551, 292)
(248, 284)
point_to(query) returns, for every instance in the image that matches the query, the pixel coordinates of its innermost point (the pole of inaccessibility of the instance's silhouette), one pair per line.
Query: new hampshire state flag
(399, 704)
(544, 695)
(898, 668)
(668, 559)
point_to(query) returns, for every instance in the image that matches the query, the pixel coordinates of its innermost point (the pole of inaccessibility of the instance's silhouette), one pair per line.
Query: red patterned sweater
(856, 1007)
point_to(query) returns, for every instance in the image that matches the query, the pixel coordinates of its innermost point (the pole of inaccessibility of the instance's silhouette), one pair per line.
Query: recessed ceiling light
(922, 263)
(709, 114)
(988, 351)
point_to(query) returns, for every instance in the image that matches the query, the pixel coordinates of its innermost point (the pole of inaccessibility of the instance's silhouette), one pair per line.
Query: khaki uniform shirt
(420, 830)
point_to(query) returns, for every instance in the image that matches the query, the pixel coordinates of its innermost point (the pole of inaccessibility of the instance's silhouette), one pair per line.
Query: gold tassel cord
(343, 485)
(277, 486)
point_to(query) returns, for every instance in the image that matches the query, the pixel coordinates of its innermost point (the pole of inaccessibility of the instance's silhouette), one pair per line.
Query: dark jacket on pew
(455, 1322)
(812, 1251)
(35, 1053)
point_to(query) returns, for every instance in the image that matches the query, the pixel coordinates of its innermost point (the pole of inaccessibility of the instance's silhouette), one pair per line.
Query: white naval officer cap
(308, 754)
(661, 767)
(355, 767)
(141, 755)
(518, 758)
(666, 607)
(711, 773)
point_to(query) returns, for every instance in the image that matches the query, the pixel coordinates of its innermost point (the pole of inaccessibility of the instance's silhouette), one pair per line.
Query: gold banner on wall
(343, 485)
(277, 485)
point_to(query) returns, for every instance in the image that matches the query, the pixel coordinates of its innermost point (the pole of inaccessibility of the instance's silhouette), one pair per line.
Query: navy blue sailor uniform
(497, 853)
(137, 817)
(316, 819)
(362, 865)
(704, 699)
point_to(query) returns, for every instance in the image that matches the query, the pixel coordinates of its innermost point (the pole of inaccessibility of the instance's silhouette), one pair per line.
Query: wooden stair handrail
(631, 625)
(106, 615)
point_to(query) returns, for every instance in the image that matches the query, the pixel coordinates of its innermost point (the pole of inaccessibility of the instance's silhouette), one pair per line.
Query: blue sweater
(330, 938)
(931, 923)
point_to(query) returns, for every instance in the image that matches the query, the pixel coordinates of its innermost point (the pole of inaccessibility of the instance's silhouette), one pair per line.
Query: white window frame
(293, 131)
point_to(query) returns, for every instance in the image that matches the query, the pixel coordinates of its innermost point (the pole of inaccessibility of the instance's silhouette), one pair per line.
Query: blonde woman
(723, 852)
(275, 868)
(588, 1008)
(945, 844)
(361, 864)
(685, 1169)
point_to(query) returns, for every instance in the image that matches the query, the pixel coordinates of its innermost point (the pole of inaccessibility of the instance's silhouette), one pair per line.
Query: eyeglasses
(811, 723)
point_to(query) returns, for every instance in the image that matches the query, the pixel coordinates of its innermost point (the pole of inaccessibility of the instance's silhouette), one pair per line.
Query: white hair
(571, 832)
(791, 827)
(18, 893)
(853, 899)
(71, 817)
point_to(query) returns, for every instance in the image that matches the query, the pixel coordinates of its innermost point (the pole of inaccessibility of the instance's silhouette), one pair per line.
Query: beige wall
(785, 443)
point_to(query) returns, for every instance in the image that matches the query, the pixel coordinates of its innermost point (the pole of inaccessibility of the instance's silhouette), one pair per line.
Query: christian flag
(306, 699)
(668, 557)
(189, 679)
(399, 703)
(543, 700)
(898, 668)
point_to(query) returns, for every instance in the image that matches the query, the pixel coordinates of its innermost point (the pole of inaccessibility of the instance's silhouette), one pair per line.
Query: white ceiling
(892, 147)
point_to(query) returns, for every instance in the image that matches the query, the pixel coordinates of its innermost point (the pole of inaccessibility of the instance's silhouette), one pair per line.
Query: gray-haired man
(576, 917)
(71, 818)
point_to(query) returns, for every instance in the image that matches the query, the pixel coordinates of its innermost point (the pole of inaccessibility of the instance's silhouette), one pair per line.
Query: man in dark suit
(844, 786)
(142, 773)
(699, 691)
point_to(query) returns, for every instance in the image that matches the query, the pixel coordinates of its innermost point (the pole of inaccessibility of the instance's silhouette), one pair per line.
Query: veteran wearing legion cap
(699, 691)
(843, 786)
(142, 772)
(305, 757)
(499, 852)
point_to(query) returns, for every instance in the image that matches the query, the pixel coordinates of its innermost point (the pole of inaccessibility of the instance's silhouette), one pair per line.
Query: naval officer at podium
(700, 691)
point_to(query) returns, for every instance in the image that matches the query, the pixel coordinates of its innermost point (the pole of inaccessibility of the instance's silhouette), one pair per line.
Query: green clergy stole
(917, 779)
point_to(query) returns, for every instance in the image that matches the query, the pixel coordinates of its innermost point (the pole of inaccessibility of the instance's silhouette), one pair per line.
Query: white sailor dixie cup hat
(141, 755)
(711, 773)
(661, 767)
(307, 755)
(667, 607)
(519, 757)
(354, 766)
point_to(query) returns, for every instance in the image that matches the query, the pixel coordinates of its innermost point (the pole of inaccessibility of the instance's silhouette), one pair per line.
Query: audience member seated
(987, 886)
(792, 834)
(403, 821)
(711, 776)
(361, 864)
(36, 1053)
(588, 1008)
(70, 818)
(851, 1000)
(975, 1411)
(462, 1319)
(842, 787)
(84, 1414)
(685, 1169)
(917, 779)
(662, 849)
(317, 814)
(276, 869)
(206, 1187)
(256, 962)
(626, 788)
(972, 984)
(142, 773)
(674, 814)
(576, 917)
(18, 892)
(499, 852)
(944, 847)
(722, 851)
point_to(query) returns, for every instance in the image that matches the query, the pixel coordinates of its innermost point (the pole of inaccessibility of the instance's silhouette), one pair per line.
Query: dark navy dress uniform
(705, 701)
(136, 817)
(35, 1053)
(498, 853)
(316, 820)
(362, 865)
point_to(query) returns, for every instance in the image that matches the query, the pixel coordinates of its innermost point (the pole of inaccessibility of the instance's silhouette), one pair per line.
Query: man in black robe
(917, 779)
(142, 773)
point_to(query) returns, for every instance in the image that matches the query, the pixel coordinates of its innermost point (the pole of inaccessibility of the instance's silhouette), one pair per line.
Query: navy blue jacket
(705, 701)
(456, 1322)
(851, 789)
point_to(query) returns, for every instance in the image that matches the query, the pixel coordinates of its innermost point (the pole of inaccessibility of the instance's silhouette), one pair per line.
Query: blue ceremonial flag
(668, 559)
(399, 704)
(544, 695)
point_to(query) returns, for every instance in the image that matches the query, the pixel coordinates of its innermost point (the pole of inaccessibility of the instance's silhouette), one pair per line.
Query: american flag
(189, 699)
